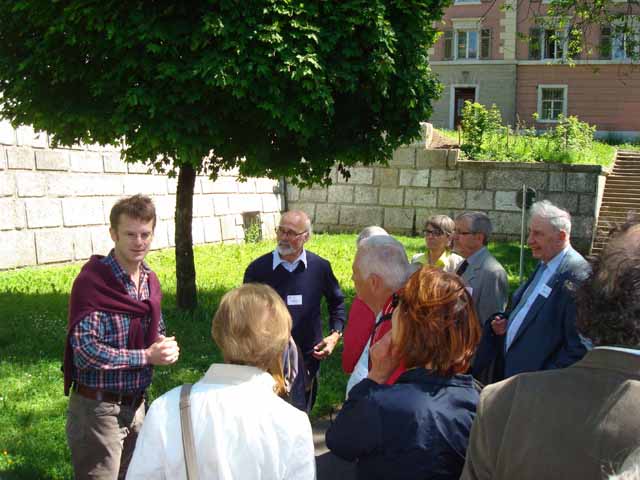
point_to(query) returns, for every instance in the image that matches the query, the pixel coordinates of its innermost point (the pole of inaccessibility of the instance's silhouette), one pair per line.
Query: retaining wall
(419, 183)
(55, 203)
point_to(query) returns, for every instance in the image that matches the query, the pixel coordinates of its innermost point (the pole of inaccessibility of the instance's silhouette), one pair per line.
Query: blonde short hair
(252, 327)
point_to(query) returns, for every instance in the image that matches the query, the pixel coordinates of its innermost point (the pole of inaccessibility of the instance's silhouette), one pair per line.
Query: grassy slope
(33, 309)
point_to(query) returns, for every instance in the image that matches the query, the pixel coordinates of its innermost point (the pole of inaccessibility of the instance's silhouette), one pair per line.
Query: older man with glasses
(483, 274)
(302, 278)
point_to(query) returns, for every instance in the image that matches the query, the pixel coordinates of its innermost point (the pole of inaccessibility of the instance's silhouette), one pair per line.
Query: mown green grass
(33, 309)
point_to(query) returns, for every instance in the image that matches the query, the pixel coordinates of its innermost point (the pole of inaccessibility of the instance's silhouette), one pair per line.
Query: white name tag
(545, 291)
(294, 299)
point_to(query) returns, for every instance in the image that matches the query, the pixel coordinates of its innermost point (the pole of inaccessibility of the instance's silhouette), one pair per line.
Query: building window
(547, 43)
(552, 102)
(620, 42)
(469, 44)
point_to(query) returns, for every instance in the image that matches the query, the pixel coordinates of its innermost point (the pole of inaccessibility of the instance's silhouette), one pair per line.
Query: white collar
(277, 259)
(236, 374)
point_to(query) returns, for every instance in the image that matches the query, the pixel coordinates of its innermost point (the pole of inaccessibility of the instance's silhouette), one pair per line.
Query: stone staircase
(621, 195)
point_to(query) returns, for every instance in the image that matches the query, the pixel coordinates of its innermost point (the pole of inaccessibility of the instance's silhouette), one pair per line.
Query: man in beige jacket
(581, 421)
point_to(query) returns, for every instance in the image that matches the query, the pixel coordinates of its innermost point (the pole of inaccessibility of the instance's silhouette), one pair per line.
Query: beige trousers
(101, 436)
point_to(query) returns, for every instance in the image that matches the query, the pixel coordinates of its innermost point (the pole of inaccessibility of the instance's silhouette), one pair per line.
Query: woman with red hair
(419, 427)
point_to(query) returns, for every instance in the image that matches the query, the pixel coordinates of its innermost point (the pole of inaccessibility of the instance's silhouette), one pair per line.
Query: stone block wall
(55, 203)
(419, 183)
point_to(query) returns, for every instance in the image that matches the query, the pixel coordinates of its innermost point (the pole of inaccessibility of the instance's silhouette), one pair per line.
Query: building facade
(509, 53)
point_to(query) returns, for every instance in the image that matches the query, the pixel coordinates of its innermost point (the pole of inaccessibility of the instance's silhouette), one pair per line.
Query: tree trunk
(186, 295)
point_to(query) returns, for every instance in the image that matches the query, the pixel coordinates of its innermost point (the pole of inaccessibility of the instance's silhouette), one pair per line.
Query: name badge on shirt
(294, 299)
(545, 291)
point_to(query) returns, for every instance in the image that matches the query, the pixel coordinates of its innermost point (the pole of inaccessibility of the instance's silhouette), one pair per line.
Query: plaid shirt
(99, 341)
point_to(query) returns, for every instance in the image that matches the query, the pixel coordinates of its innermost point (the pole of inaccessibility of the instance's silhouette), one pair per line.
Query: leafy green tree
(272, 88)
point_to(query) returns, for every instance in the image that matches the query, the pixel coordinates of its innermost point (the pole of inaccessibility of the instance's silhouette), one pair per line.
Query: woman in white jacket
(242, 428)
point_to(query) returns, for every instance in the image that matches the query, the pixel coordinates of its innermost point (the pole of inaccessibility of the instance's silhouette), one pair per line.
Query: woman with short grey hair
(438, 235)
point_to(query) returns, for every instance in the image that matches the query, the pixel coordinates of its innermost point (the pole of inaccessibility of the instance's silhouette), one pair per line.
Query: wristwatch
(339, 332)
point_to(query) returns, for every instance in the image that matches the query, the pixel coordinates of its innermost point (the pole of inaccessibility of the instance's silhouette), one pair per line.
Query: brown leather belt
(131, 400)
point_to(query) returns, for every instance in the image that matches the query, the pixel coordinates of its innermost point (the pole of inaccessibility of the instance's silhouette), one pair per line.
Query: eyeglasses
(458, 232)
(283, 232)
(432, 232)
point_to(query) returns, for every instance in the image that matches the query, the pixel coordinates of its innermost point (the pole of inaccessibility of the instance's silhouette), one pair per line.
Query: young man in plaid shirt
(115, 336)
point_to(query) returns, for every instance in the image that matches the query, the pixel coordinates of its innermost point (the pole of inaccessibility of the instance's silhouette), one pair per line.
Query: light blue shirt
(290, 266)
(540, 288)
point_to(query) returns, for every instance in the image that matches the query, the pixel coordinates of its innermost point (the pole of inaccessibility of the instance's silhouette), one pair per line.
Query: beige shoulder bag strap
(187, 433)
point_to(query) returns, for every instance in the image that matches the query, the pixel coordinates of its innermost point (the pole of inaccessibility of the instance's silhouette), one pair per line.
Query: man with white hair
(380, 268)
(302, 278)
(539, 331)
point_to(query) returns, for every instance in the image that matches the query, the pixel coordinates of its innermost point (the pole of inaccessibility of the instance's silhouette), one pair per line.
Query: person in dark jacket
(419, 427)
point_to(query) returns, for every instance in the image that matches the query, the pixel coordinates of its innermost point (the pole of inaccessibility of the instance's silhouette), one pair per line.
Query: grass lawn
(33, 309)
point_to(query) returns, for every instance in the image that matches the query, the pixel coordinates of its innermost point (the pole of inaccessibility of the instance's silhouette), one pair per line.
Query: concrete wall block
(587, 205)
(221, 205)
(52, 160)
(112, 163)
(506, 222)
(398, 218)
(582, 227)
(54, 246)
(446, 178)
(420, 197)
(359, 176)
(203, 206)
(414, 178)
(21, 158)
(31, 184)
(81, 239)
(7, 133)
(160, 236)
(479, 200)
(404, 157)
(212, 231)
(293, 193)
(221, 185)
(172, 185)
(318, 195)
(566, 201)
(228, 227)
(86, 162)
(3, 159)
(386, 177)
(361, 216)
(165, 207)
(507, 201)
(271, 202)
(582, 182)
(82, 211)
(245, 203)
(308, 208)
(267, 185)
(247, 187)
(473, 179)
(368, 195)
(147, 184)
(26, 136)
(83, 185)
(171, 233)
(13, 214)
(450, 198)
(556, 181)
(197, 231)
(391, 196)
(431, 158)
(17, 249)
(327, 214)
(43, 212)
(138, 167)
(509, 179)
(423, 214)
(7, 184)
(340, 194)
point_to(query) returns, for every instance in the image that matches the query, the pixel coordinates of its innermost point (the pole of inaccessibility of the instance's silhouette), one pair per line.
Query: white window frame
(456, 36)
(615, 37)
(565, 89)
(466, 25)
(563, 33)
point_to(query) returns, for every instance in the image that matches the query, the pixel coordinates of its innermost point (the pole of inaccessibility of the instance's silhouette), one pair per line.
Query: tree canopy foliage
(223, 84)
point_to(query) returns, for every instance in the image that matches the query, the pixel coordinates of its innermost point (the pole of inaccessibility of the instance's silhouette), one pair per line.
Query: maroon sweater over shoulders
(96, 289)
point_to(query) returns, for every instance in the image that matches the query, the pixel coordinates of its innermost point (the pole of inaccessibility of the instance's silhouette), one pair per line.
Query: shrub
(477, 122)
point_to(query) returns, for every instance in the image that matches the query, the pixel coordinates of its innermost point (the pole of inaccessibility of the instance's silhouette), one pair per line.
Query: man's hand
(499, 324)
(383, 360)
(323, 349)
(164, 351)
